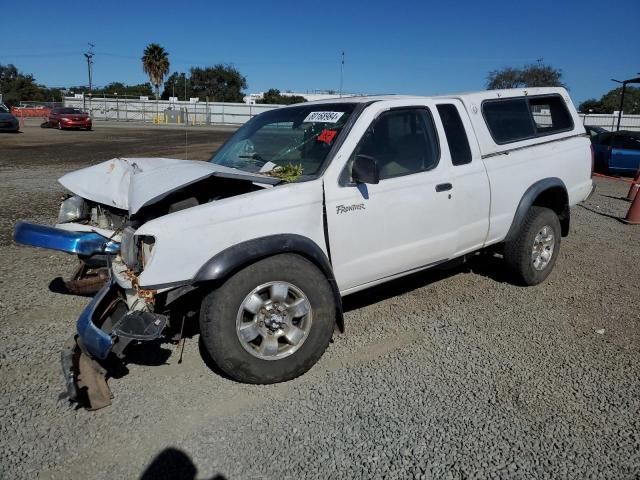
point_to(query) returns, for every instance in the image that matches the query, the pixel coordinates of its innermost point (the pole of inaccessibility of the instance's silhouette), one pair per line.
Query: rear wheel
(271, 321)
(532, 254)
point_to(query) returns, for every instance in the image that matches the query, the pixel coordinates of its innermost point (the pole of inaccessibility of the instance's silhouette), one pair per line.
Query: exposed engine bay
(77, 213)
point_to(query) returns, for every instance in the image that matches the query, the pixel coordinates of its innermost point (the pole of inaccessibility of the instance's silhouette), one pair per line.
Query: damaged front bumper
(104, 329)
(80, 243)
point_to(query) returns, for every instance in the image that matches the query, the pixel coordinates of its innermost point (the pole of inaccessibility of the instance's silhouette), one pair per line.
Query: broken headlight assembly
(72, 209)
(135, 250)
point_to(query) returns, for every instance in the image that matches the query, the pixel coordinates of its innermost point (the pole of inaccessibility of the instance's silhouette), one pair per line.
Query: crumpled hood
(132, 183)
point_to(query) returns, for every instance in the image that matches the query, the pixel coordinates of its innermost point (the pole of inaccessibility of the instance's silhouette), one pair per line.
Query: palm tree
(155, 63)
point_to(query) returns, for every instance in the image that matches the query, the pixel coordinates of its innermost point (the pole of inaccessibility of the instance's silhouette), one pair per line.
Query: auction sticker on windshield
(324, 117)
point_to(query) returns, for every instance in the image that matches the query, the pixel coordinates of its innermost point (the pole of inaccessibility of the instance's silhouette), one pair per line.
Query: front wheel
(271, 321)
(533, 252)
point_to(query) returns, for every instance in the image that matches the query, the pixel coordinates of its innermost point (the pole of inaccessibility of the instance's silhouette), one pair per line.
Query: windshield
(293, 139)
(70, 110)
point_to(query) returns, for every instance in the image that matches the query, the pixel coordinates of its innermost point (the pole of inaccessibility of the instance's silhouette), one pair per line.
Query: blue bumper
(81, 243)
(94, 340)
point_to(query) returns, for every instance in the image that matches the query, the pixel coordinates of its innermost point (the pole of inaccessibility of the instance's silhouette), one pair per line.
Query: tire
(59, 126)
(224, 313)
(530, 269)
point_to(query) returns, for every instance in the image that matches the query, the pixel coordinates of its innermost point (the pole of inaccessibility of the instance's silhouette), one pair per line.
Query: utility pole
(341, 73)
(89, 56)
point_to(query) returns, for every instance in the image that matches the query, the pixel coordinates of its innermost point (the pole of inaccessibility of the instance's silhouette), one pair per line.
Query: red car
(66, 117)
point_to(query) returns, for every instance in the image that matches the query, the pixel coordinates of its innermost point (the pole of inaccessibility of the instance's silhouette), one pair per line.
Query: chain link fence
(127, 109)
(123, 109)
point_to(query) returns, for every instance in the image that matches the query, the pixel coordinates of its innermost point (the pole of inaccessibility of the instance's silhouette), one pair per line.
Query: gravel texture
(446, 374)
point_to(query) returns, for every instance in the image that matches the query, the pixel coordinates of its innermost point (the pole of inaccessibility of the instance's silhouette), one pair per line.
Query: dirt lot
(455, 374)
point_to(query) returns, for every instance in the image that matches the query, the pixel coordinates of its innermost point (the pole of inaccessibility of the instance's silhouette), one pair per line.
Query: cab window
(403, 141)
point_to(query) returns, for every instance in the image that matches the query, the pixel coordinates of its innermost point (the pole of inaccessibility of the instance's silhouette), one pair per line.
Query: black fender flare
(528, 199)
(238, 256)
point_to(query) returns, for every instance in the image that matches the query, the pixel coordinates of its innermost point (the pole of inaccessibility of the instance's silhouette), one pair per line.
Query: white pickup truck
(306, 204)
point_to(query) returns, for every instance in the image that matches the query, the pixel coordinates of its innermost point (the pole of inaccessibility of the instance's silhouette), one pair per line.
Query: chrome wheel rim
(543, 245)
(274, 320)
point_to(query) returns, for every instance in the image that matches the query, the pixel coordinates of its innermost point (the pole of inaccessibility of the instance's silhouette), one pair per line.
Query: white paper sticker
(324, 117)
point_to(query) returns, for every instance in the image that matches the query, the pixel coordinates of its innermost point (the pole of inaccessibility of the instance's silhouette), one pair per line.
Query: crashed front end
(121, 313)
(101, 224)
(85, 229)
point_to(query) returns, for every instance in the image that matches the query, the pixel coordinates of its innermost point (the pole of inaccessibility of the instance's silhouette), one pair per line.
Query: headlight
(73, 208)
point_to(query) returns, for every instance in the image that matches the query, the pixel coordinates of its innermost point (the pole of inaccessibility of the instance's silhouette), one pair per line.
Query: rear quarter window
(513, 119)
(455, 133)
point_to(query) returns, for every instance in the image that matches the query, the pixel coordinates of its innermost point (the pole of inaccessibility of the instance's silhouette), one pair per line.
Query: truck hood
(132, 183)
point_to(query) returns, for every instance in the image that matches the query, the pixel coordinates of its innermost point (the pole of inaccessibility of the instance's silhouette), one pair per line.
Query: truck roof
(478, 96)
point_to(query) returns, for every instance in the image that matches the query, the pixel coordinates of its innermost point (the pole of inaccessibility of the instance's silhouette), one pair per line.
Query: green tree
(220, 83)
(273, 96)
(532, 75)
(175, 84)
(155, 63)
(610, 102)
(591, 106)
(16, 86)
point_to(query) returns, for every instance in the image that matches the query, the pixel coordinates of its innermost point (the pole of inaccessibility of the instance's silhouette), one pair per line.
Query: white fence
(208, 113)
(610, 121)
(163, 111)
(607, 121)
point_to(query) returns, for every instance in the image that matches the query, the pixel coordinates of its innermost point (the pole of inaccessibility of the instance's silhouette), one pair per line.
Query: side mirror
(365, 170)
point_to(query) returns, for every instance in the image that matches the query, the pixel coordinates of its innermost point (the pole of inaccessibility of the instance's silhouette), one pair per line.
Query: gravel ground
(448, 374)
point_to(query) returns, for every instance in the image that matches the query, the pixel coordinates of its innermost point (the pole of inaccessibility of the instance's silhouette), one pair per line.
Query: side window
(456, 134)
(550, 115)
(513, 119)
(627, 142)
(402, 141)
(508, 120)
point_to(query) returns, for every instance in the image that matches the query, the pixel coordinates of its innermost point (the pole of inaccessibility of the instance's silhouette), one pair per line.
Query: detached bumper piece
(105, 328)
(85, 379)
(80, 243)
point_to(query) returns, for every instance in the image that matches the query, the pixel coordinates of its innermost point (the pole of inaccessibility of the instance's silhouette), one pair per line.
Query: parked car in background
(617, 152)
(8, 123)
(66, 117)
(593, 131)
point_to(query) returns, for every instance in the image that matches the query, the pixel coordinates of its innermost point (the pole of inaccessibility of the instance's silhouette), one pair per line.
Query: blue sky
(398, 46)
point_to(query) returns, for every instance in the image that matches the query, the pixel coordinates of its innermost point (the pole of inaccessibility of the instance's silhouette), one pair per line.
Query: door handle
(443, 187)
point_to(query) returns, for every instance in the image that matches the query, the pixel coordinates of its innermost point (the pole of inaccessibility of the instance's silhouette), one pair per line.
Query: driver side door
(405, 222)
